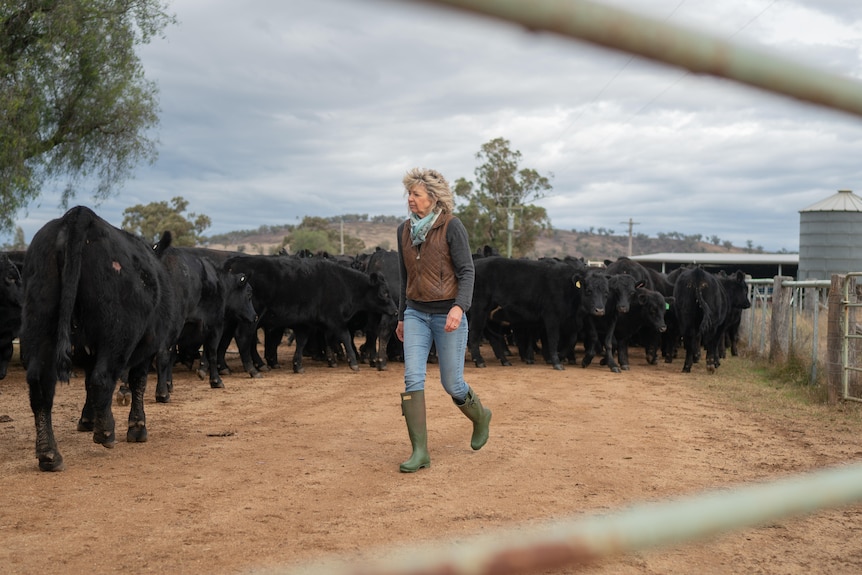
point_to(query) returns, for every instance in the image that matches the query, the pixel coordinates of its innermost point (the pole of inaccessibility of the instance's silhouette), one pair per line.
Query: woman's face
(418, 201)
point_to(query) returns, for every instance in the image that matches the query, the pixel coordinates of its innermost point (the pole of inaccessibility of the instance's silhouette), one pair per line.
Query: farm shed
(830, 237)
(755, 265)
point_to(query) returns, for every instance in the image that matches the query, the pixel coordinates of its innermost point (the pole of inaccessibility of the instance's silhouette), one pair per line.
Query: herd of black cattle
(87, 294)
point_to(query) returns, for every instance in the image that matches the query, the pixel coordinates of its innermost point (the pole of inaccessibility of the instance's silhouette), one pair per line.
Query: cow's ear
(375, 278)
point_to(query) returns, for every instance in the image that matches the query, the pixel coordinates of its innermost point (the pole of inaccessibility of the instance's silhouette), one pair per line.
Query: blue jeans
(420, 330)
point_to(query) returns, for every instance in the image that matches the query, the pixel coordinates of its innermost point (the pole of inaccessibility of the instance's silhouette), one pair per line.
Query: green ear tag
(666, 306)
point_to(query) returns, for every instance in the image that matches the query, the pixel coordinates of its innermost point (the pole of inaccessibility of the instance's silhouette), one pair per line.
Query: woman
(436, 291)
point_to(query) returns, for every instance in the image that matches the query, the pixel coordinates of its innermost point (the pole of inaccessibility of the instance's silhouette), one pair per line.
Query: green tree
(149, 221)
(74, 102)
(318, 234)
(18, 243)
(502, 192)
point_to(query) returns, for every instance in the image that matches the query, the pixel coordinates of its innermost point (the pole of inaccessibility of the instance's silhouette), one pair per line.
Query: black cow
(599, 327)
(628, 266)
(103, 291)
(524, 291)
(646, 318)
(236, 326)
(703, 303)
(205, 295)
(10, 309)
(654, 280)
(379, 345)
(307, 293)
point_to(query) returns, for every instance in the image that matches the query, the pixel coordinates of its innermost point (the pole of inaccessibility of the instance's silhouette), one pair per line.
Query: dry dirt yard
(278, 471)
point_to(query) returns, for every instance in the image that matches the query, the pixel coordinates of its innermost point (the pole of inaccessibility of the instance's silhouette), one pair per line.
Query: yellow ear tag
(578, 284)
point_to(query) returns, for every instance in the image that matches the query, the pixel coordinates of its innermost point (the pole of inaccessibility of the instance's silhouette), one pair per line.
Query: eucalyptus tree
(498, 211)
(75, 107)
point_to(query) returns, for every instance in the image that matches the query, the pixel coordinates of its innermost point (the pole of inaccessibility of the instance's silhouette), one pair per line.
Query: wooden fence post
(779, 329)
(835, 339)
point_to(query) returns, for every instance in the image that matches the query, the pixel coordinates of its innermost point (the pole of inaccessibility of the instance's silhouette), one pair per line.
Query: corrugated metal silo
(830, 237)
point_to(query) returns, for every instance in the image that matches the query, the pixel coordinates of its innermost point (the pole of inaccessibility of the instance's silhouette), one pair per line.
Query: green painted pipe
(697, 51)
(585, 539)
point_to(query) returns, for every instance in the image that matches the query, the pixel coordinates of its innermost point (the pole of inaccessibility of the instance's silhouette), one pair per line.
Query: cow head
(385, 303)
(737, 290)
(653, 306)
(594, 293)
(622, 288)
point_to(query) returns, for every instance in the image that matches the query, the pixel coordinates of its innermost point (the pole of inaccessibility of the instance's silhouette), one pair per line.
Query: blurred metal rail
(581, 541)
(698, 51)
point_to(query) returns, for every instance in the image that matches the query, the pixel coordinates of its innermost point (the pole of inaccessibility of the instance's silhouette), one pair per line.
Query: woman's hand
(399, 330)
(453, 318)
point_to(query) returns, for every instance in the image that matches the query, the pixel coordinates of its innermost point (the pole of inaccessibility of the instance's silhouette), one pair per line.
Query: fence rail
(581, 541)
(771, 327)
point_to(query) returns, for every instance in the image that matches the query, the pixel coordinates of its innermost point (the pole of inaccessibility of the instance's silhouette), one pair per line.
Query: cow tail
(705, 321)
(70, 275)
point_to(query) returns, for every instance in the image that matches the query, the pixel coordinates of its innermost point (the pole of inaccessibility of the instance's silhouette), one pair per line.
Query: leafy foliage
(503, 191)
(74, 101)
(317, 235)
(149, 221)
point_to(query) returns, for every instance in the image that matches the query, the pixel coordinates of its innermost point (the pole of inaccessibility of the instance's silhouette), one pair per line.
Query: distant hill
(555, 243)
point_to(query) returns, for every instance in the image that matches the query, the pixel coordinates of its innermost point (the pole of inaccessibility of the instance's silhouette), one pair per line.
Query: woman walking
(436, 291)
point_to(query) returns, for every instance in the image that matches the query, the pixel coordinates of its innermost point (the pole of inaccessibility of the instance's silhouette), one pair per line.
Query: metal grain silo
(830, 237)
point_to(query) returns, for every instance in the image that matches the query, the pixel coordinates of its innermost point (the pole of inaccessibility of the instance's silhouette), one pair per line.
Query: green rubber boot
(480, 416)
(413, 409)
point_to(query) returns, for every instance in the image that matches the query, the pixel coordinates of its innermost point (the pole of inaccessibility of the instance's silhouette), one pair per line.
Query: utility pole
(631, 225)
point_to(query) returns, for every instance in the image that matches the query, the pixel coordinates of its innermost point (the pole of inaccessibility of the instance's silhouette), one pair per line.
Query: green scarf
(419, 226)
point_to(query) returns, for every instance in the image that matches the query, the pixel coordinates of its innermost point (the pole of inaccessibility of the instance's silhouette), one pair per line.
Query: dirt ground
(278, 471)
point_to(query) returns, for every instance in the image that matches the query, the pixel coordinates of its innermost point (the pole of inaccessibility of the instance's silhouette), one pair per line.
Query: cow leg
(498, 345)
(712, 352)
(301, 338)
(42, 385)
(368, 350)
(164, 372)
(271, 340)
(346, 339)
(690, 344)
(651, 345)
(137, 432)
(100, 383)
(246, 341)
(609, 349)
(6, 349)
(623, 353)
(552, 333)
(230, 329)
(209, 356)
(476, 321)
(385, 329)
(591, 342)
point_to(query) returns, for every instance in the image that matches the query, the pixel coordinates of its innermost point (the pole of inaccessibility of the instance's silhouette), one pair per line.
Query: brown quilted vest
(430, 274)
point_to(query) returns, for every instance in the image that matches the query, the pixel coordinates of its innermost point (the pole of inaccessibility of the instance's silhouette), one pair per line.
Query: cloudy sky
(275, 110)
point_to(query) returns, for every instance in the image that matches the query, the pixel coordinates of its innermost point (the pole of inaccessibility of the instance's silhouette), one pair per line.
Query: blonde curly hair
(435, 184)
